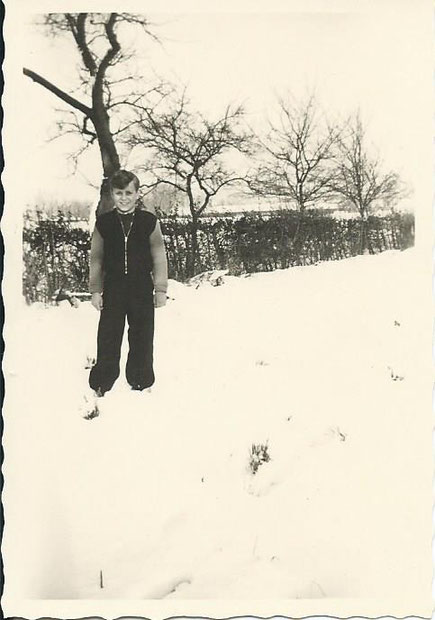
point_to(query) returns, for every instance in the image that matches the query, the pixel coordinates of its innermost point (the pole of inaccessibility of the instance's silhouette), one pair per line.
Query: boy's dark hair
(122, 178)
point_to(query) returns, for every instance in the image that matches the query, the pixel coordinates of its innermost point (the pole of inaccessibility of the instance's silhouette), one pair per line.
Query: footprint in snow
(89, 408)
(266, 479)
(165, 590)
(313, 590)
(332, 433)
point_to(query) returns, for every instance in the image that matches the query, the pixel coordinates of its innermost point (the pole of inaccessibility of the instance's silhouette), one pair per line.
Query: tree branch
(58, 92)
(158, 182)
(86, 131)
(114, 49)
(80, 37)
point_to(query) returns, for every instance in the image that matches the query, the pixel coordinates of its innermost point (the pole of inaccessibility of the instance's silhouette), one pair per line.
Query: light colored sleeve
(160, 263)
(96, 263)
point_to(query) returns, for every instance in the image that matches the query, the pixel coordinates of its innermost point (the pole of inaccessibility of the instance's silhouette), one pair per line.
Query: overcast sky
(377, 59)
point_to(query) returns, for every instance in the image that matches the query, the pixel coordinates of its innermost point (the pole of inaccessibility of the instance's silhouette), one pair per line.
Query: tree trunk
(363, 238)
(365, 245)
(105, 202)
(192, 257)
(109, 158)
(194, 248)
(296, 241)
(220, 252)
(100, 119)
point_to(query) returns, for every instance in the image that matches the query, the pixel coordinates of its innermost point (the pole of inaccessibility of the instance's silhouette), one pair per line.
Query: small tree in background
(296, 162)
(359, 180)
(297, 154)
(186, 151)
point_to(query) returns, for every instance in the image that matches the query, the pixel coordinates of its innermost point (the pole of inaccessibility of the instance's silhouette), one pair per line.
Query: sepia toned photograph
(217, 309)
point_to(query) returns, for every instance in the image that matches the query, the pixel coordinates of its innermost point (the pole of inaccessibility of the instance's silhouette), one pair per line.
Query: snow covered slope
(155, 498)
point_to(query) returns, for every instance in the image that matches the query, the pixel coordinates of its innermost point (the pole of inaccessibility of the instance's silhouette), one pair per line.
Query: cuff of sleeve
(161, 289)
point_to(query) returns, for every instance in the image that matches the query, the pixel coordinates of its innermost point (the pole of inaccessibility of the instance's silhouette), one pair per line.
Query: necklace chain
(126, 234)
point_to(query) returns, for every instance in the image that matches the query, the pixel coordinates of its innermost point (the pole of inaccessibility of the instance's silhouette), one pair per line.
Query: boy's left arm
(160, 266)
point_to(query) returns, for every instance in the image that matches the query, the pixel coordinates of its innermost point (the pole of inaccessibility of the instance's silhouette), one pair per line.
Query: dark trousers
(122, 299)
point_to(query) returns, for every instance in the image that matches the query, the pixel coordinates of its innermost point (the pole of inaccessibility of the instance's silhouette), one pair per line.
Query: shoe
(137, 387)
(140, 388)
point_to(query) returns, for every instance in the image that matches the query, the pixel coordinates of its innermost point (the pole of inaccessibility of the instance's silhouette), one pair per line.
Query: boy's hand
(159, 300)
(97, 301)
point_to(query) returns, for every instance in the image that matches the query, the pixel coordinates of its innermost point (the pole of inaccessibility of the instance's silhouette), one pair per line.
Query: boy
(126, 248)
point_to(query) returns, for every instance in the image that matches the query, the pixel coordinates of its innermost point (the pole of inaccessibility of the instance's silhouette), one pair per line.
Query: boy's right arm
(96, 270)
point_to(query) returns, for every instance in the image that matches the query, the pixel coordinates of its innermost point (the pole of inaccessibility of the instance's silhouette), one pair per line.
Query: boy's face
(125, 199)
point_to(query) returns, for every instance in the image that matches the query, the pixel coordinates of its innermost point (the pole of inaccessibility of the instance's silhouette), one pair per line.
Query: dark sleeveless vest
(139, 263)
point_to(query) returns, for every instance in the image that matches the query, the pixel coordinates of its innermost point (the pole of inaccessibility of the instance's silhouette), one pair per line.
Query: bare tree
(359, 180)
(187, 151)
(298, 152)
(100, 111)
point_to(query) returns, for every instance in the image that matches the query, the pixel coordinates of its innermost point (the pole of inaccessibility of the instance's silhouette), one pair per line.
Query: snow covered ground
(155, 498)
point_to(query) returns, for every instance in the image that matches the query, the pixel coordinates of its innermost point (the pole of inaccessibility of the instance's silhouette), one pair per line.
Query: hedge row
(256, 242)
(56, 252)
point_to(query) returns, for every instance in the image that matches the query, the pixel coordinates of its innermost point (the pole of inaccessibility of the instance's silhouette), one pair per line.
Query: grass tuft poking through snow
(259, 454)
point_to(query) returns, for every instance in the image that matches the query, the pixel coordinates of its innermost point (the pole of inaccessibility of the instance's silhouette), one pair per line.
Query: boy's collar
(129, 212)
